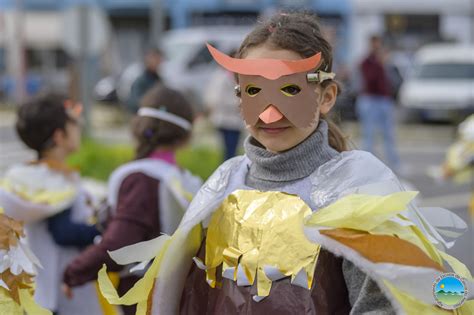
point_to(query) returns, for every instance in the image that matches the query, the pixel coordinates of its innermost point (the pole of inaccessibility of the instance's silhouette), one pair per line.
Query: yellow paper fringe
(29, 304)
(252, 230)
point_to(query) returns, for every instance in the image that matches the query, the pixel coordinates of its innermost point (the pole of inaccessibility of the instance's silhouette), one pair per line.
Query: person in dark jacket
(375, 105)
(146, 80)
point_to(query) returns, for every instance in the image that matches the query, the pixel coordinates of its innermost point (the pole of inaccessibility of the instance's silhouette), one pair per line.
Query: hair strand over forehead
(299, 32)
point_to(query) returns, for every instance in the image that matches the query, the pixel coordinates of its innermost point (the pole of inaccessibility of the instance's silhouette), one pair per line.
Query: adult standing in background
(223, 106)
(375, 104)
(146, 80)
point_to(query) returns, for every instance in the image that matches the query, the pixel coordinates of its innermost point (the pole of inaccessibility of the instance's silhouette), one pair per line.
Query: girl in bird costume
(299, 224)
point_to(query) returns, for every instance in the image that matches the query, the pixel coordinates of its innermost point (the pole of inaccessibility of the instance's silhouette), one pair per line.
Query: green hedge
(98, 160)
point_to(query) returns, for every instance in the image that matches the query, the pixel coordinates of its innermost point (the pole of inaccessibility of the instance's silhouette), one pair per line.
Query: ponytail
(336, 138)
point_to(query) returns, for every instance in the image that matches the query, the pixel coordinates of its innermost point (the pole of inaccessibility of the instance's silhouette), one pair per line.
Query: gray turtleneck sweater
(269, 171)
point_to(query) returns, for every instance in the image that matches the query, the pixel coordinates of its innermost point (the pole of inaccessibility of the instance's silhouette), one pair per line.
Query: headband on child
(163, 115)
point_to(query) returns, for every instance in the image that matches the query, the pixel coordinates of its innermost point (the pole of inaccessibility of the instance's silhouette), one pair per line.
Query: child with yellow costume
(299, 224)
(49, 198)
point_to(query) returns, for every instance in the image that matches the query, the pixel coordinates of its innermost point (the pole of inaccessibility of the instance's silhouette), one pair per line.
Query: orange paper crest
(271, 69)
(74, 108)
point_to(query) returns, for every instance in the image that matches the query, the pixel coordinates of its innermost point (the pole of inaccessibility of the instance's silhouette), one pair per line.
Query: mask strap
(320, 76)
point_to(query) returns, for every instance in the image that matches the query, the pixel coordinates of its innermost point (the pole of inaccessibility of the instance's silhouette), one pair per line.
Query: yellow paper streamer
(107, 308)
(29, 304)
(412, 306)
(457, 160)
(142, 308)
(254, 229)
(50, 197)
(249, 263)
(7, 304)
(458, 267)
(176, 184)
(172, 272)
(139, 292)
(361, 212)
(466, 309)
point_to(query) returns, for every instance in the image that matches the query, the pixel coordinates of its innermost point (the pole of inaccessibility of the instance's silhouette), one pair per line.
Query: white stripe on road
(12, 155)
(452, 201)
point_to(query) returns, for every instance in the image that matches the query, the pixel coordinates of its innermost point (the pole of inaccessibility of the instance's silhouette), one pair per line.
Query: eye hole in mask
(290, 89)
(252, 90)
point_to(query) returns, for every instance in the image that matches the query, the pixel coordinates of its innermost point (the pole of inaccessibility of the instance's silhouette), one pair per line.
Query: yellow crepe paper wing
(49, 197)
(458, 267)
(29, 304)
(173, 270)
(8, 305)
(411, 305)
(139, 252)
(106, 307)
(466, 309)
(138, 293)
(361, 212)
(52, 197)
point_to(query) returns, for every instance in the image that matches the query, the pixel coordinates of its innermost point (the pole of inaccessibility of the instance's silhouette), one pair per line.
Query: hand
(67, 291)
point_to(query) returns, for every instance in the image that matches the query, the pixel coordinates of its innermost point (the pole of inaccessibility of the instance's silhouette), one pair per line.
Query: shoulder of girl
(139, 177)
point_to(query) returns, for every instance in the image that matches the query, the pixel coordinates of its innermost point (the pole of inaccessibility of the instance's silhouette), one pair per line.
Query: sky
(450, 284)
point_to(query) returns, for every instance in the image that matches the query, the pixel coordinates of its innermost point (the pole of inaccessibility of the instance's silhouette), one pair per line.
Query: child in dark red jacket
(147, 196)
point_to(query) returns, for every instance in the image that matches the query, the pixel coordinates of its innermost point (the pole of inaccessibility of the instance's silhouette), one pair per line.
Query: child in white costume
(299, 225)
(47, 196)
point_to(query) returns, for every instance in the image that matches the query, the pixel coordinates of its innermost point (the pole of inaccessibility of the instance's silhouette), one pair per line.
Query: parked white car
(441, 85)
(189, 65)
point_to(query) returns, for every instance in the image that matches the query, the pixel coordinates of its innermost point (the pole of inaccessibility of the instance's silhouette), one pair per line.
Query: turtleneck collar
(268, 168)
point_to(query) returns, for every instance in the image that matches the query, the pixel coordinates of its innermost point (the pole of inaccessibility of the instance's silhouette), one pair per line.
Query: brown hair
(39, 118)
(151, 132)
(299, 32)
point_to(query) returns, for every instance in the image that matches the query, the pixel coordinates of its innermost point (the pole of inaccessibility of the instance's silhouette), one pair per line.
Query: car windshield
(176, 51)
(445, 71)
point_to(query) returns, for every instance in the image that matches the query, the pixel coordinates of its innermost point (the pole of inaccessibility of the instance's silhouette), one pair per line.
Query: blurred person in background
(147, 196)
(459, 161)
(223, 107)
(375, 105)
(146, 80)
(48, 196)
